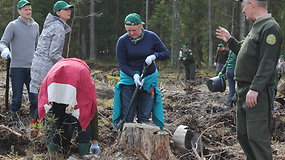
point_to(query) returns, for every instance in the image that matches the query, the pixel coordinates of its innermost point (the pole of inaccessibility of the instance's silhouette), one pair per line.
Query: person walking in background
(221, 57)
(50, 45)
(229, 68)
(186, 56)
(134, 49)
(254, 73)
(68, 92)
(21, 36)
(280, 71)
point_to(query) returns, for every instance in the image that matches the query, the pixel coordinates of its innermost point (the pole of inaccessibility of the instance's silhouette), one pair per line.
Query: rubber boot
(52, 147)
(83, 148)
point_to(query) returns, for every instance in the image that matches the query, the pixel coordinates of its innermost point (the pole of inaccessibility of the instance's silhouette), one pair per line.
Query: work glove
(149, 59)
(137, 80)
(220, 74)
(94, 149)
(6, 53)
(215, 64)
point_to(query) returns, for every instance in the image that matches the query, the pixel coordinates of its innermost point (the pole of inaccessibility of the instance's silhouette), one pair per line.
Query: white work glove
(149, 59)
(137, 80)
(215, 64)
(6, 53)
(94, 149)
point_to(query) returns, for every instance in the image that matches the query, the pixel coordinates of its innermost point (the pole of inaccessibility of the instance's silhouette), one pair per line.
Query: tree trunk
(92, 31)
(149, 141)
(242, 26)
(146, 13)
(175, 33)
(210, 34)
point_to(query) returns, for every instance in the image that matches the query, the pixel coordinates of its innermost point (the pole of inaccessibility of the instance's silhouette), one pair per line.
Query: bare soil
(185, 102)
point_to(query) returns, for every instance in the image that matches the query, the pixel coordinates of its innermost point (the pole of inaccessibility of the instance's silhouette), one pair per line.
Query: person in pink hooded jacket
(68, 92)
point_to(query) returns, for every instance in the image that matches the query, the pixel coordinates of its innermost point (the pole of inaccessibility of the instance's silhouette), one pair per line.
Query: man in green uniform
(186, 56)
(254, 73)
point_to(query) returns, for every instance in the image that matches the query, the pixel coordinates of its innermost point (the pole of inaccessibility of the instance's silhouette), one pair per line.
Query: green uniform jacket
(258, 55)
(189, 57)
(230, 63)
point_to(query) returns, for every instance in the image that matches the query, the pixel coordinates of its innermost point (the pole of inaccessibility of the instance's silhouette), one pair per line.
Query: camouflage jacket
(49, 49)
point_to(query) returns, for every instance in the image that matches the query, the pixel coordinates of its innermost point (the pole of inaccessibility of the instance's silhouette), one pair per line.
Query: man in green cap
(21, 35)
(187, 58)
(255, 68)
(221, 57)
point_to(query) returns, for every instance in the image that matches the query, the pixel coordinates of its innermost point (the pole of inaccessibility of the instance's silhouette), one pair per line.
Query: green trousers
(253, 124)
(190, 71)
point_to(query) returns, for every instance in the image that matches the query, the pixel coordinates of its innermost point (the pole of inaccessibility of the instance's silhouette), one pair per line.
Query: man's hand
(223, 34)
(149, 59)
(251, 98)
(6, 53)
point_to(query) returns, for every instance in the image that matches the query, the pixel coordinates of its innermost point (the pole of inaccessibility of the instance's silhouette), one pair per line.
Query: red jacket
(69, 82)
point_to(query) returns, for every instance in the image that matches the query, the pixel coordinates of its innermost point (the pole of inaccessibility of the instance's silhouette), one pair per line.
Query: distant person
(254, 73)
(229, 68)
(280, 70)
(135, 49)
(187, 58)
(280, 67)
(221, 57)
(21, 35)
(68, 92)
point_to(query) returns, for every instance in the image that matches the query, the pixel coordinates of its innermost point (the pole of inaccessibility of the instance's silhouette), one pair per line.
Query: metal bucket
(216, 84)
(186, 139)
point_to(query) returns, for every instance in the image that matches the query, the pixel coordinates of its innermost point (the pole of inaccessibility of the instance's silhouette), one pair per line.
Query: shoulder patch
(271, 39)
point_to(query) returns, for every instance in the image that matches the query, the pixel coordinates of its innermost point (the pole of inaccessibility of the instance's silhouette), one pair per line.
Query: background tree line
(97, 24)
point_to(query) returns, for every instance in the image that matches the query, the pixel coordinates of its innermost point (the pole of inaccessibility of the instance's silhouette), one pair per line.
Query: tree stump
(151, 142)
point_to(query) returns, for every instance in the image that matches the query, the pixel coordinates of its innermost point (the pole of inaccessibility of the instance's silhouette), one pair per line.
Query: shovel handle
(7, 83)
(122, 121)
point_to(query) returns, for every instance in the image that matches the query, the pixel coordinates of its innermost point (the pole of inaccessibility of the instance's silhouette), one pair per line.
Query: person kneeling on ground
(68, 92)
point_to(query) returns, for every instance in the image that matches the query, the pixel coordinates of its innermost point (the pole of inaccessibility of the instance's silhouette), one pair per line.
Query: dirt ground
(187, 103)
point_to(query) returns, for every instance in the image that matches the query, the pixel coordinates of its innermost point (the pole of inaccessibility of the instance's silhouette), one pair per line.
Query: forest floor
(188, 103)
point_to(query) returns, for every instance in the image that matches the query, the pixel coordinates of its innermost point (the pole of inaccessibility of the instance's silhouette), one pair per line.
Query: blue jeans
(142, 105)
(232, 83)
(19, 77)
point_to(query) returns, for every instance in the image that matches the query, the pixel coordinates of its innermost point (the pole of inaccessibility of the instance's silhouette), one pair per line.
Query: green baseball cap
(220, 45)
(184, 47)
(133, 19)
(281, 57)
(59, 5)
(22, 3)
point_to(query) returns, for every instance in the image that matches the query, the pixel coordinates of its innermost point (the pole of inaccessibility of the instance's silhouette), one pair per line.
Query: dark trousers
(19, 77)
(63, 128)
(253, 124)
(142, 105)
(190, 71)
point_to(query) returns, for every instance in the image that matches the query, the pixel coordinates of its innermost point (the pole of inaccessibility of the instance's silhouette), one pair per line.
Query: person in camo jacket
(51, 43)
